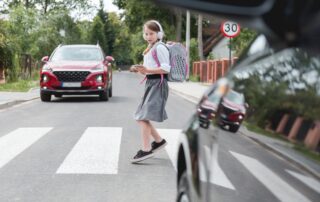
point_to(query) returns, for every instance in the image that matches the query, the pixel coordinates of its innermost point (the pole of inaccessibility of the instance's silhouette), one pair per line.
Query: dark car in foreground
(278, 74)
(76, 70)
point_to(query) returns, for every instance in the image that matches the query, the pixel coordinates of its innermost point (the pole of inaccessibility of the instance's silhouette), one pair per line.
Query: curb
(15, 102)
(284, 156)
(10, 104)
(190, 98)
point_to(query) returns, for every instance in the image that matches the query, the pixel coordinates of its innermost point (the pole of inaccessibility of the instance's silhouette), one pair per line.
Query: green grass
(19, 86)
(306, 152)
(261, 131)
(296, 146)
(194, 78)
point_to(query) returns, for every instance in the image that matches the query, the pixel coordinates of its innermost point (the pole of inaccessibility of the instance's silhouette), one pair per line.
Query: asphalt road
(79, 149)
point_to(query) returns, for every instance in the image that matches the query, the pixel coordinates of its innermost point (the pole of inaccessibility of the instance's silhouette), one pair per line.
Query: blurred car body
(76, 70)
(278, 73)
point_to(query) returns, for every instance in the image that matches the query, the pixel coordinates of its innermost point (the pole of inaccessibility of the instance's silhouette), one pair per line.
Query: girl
(152, 106)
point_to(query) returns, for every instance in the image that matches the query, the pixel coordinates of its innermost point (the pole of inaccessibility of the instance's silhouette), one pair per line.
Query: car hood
(233, 106)
(209, 105)
(71, 65)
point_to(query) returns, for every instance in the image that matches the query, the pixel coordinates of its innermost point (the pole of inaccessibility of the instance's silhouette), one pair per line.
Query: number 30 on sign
(230, 29)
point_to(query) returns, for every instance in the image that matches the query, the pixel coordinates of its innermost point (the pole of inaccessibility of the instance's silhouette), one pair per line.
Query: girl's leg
(145, 131)
(156, 136)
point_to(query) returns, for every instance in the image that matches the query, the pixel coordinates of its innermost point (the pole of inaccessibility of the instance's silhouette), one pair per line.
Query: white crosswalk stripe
(14, 143)
(220, 177)
(172, 137)
(97, 152)
(310, 182)
(282, 190)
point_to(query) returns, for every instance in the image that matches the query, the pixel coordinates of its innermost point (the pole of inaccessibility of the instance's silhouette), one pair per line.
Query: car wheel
(234, 129)
(104, 96)
(204, 125)
(110, 91)
(45, 97)
(183, 189)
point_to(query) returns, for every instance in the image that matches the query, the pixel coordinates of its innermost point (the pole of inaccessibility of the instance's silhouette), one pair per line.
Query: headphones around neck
(160, 34)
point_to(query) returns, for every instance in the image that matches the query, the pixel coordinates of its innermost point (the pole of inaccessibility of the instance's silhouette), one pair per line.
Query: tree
(242, 41)
(97, 34)
(48, 5)
(178, 15)
(200, 40)
(138, 12)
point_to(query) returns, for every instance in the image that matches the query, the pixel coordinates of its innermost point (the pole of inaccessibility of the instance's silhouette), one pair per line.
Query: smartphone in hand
(134, 68)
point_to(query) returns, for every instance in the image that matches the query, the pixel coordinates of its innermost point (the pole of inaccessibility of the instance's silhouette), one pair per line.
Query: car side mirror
(246, 105)
(110, 59)
(45, 59)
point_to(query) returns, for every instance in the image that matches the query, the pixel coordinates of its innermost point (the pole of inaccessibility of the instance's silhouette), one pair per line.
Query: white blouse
(163, 57)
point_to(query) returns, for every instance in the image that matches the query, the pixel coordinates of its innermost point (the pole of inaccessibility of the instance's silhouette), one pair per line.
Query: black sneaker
(142, 155)
(157, 146)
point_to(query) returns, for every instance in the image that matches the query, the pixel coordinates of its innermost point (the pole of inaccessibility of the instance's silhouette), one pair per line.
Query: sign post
(230, 29)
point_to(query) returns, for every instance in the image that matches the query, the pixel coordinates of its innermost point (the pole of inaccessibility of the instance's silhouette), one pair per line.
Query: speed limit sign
(230, 29)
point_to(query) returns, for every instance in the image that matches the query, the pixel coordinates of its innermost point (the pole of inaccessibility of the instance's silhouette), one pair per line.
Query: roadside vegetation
(32, 29)
(299, 147)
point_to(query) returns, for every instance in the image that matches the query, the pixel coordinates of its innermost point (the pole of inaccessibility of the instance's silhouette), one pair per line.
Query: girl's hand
(133, 68)
(141, 69)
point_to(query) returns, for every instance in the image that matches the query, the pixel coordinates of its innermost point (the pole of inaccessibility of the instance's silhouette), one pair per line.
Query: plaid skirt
(153, 102)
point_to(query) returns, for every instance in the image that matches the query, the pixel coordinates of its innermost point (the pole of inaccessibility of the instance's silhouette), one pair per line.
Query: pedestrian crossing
(98, 149)
(96, 152)
(14, 143)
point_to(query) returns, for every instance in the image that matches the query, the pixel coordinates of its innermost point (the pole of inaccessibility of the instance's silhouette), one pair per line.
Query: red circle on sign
(227, 28)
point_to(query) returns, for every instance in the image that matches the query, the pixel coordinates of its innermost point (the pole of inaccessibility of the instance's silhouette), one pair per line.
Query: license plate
(71, 84)
(224, 116)
(203, 116)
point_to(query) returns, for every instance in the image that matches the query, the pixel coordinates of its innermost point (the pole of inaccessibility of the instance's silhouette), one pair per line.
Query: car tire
(110, 91)
(234, 129)
(183, 189)
(204, 125)
(45, 97)
(104, 96)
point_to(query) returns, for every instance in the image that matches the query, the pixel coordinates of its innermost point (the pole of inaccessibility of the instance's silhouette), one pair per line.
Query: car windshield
(214, 98)
(77, 53)
(235, 97)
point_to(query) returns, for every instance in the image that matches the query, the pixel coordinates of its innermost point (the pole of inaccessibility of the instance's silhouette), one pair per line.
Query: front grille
(227, 110)
(71, 76)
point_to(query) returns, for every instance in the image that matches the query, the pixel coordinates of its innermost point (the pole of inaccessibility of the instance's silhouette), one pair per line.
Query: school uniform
(153, 102)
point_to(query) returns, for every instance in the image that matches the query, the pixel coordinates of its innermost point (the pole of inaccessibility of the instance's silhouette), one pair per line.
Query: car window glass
(259, 45)
(77, 53)
(259, 48)
(234, 97)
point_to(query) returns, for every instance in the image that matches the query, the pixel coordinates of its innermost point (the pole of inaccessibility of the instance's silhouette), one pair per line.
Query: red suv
(76, 70)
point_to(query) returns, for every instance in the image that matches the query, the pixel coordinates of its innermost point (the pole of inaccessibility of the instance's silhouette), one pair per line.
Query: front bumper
(73, 91)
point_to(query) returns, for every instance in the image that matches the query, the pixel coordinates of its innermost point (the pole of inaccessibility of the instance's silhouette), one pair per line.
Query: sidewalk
(8, 99)
(193, 91)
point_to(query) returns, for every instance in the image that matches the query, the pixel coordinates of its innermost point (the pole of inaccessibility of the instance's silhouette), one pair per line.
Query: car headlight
(99, 78)
(240, 117)
(45, 78)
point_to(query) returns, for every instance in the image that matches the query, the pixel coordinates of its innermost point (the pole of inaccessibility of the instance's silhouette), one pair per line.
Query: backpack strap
(155, 57)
